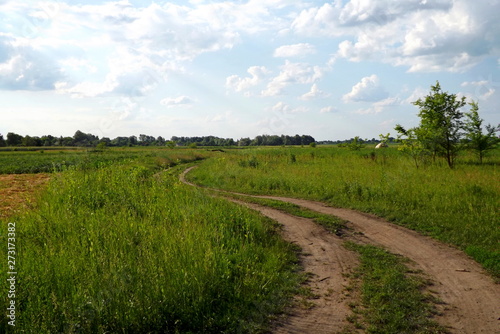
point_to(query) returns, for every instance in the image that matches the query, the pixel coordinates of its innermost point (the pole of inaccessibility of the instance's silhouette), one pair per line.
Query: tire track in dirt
(327, 263)
(471, 297)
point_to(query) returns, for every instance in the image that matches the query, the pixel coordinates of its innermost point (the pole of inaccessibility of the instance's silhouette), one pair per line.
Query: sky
(233, 69)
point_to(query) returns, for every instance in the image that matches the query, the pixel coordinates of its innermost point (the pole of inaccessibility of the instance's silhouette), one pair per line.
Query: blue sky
(333, 70)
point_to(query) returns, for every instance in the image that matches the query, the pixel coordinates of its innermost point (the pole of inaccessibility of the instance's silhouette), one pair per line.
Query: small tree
(356, 144)
(440, 129)
(410, 144)
(475, 138)
(101, 146)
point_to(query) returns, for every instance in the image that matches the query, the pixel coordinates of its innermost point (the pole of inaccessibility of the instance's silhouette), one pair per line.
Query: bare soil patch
(17, 190)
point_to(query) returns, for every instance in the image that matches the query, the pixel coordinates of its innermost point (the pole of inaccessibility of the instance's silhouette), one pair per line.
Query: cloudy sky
(333, 70)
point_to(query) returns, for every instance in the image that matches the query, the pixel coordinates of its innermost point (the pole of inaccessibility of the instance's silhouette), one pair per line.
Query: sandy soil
(326, 262)
(471, 297)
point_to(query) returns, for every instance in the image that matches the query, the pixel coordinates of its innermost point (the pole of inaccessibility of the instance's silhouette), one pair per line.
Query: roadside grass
(458, 206)
(393, 300)
(123, 249)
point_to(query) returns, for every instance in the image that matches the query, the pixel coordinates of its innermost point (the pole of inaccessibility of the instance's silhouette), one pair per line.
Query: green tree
(3, 143)
(356, 144)
(410, 144)
(441, 125)
(13, 139)
(475, 138)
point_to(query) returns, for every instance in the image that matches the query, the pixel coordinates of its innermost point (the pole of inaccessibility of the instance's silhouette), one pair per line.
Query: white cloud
(327, 110)
(180, 101)
(318, 21)
(292, 73)
(295, 50)
(258, 73)
(417, 93)
(222, 117)
(26, 68)
(475, 83)
(379, 106)
(314, 93)
(284, 108)
(483, 89)
(425, 36)
(367, 90)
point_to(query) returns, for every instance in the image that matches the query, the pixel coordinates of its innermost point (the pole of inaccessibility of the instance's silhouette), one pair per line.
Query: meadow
(39, 160)
(115, 243)
(120, 246)
(458, 206)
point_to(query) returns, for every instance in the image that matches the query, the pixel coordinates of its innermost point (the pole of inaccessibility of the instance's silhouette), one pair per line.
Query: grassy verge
(392, 297)
(331, 223)
(120, 249)
(457, 206)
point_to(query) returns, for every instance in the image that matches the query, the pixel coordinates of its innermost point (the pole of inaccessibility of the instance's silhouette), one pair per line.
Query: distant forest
(89, 140)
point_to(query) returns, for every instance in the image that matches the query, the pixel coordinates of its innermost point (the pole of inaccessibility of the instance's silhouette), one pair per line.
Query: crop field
(115, 243)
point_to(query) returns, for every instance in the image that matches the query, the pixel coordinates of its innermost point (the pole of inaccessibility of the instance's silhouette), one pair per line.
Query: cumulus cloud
(424, 36)
(295, 50)
(284, 108)
(483, 89)
(292, 73)
(314, 93)
(122, 43)
(23, 67)
(367, 90)
(379, 106)
(417, 93)
(180, 101)
(238, 84)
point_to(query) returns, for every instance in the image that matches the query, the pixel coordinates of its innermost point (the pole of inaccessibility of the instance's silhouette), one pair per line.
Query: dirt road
(471, 298)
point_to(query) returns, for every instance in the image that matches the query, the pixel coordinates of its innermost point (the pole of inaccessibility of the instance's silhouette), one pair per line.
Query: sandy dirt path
(471, 297)
(327, 263)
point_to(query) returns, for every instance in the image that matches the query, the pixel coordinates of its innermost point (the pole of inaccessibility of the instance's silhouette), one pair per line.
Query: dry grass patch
(17, 190)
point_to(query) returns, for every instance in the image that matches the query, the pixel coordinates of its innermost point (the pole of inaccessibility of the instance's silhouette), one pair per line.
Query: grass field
(122, 247)
(458, 206)
(116, 244)
(48, 161)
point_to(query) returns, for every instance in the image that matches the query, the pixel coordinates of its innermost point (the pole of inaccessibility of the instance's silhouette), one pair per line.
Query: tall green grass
(120, 249)
(457, 206)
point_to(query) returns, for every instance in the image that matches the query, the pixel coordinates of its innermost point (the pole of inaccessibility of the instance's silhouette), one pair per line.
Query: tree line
(81, 139)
